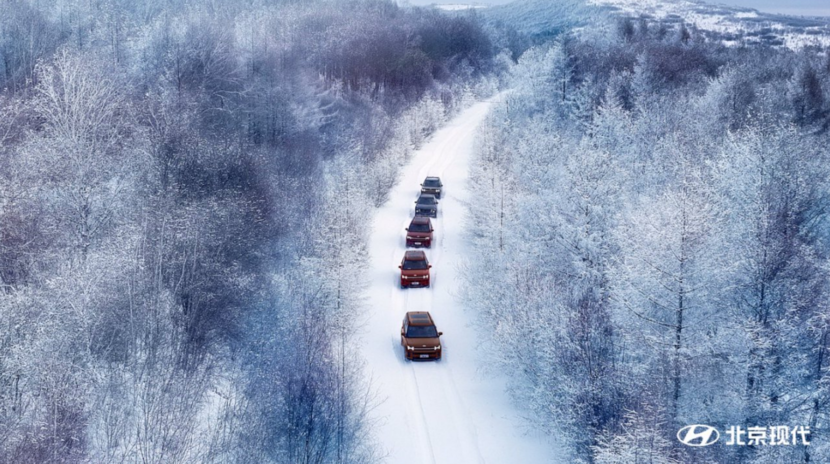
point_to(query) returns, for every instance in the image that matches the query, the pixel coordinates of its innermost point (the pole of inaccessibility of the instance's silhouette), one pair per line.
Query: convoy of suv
(420, 338)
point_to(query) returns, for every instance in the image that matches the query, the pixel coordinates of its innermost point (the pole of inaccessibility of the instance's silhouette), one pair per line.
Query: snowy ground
(452, 411)
(457, 6)
(739, 25)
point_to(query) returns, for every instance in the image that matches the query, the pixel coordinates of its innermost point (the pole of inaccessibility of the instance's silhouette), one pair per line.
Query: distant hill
(543, 18)
(732, 25)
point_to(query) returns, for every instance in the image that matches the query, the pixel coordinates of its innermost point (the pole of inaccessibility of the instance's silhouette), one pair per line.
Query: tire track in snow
(427, 450)
(473, 454)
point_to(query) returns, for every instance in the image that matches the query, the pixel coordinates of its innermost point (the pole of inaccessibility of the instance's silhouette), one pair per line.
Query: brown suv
(414, 269)
(419, 337)
(419, 232)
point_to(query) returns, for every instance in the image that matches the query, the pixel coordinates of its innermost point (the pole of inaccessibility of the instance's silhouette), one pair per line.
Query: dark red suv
(419, 337)
(414, 269)
(419, 232)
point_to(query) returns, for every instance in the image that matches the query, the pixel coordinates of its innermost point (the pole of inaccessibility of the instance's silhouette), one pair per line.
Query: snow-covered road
(452, 411)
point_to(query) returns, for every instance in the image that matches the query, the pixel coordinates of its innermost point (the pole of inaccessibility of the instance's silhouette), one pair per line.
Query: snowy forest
(186, 189)
(652, 232)
(183, 192)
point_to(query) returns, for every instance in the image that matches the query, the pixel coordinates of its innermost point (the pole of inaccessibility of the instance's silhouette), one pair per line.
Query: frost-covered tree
(639, 440)
(807, 95)
(171, 177)
(664, 260)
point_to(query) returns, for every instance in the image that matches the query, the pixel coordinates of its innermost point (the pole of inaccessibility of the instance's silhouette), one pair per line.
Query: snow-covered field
(457, 6)
(741, 25)
(454, 411)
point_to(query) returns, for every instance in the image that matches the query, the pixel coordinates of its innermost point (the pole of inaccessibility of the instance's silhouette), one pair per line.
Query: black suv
(426, 205)
(432, 185)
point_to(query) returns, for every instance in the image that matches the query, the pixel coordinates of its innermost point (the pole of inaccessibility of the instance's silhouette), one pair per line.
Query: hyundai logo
(698, 435)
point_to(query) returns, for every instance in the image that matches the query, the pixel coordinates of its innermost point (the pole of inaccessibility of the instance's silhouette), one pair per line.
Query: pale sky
(793, 7)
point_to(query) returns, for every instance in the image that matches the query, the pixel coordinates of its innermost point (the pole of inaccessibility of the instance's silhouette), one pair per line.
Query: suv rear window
(419, 227)
(432, 183)
(410, 265)
(426, 200)
(421, 331)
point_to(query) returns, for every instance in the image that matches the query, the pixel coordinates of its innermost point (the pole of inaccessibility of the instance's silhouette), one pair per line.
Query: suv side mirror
(400, 267)
(440, 333)
(406, 229)
(429, 266)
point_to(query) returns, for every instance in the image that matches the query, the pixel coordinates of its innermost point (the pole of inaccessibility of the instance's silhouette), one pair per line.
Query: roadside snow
(449, 411)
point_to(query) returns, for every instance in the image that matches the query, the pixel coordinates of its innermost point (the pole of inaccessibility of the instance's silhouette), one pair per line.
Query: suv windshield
(419, 227)
(426, 200)
(431, 183)
(421, 331)
(410, 265)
